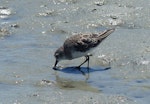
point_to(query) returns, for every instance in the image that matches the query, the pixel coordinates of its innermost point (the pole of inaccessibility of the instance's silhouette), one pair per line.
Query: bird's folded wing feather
(85, 43)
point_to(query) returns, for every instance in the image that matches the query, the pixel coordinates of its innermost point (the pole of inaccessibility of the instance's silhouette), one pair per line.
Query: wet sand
(31, 31)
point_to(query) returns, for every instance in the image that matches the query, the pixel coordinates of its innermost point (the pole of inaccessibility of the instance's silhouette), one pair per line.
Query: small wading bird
(80, 45)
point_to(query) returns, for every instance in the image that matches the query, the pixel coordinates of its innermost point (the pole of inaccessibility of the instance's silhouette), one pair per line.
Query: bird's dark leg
(87, 59)
(78, 67)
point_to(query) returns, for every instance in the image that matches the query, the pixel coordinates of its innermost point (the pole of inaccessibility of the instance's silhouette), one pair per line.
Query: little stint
(80, 45)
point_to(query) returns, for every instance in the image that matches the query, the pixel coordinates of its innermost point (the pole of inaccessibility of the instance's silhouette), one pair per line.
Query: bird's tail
(106, 33)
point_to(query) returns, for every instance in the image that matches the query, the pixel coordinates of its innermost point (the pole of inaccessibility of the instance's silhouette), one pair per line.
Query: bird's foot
(79, 68)
(107, 68)
(55, 68)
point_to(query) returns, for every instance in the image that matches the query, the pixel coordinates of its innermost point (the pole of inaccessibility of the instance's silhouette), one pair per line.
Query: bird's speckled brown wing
(85, 42)
(81, 42)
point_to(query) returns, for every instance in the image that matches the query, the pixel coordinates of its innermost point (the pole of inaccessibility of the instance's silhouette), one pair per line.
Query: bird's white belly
(80, 54)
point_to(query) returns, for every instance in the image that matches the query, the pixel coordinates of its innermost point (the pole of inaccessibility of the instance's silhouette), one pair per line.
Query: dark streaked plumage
(80, 45)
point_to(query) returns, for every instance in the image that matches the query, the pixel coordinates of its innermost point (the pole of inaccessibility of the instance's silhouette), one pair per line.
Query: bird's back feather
(85, 42)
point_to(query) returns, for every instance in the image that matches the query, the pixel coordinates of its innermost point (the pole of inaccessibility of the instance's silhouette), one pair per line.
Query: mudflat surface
(31, 31)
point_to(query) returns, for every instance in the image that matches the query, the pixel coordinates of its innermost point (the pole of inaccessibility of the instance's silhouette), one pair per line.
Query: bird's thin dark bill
(55, 65)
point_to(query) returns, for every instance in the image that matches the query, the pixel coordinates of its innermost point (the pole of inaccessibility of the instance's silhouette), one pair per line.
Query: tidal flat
(31, 31)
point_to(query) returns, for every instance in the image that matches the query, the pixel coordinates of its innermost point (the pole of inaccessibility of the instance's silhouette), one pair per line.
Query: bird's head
(59, 55)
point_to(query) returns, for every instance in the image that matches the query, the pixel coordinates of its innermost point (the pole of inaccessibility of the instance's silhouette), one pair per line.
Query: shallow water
(30, 32)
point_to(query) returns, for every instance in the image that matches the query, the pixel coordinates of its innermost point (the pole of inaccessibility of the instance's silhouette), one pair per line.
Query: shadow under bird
(80, 45)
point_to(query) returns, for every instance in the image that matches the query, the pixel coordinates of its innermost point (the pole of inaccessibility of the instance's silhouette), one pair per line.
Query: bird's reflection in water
(69, 84)
(76, 84)
(83, 71)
